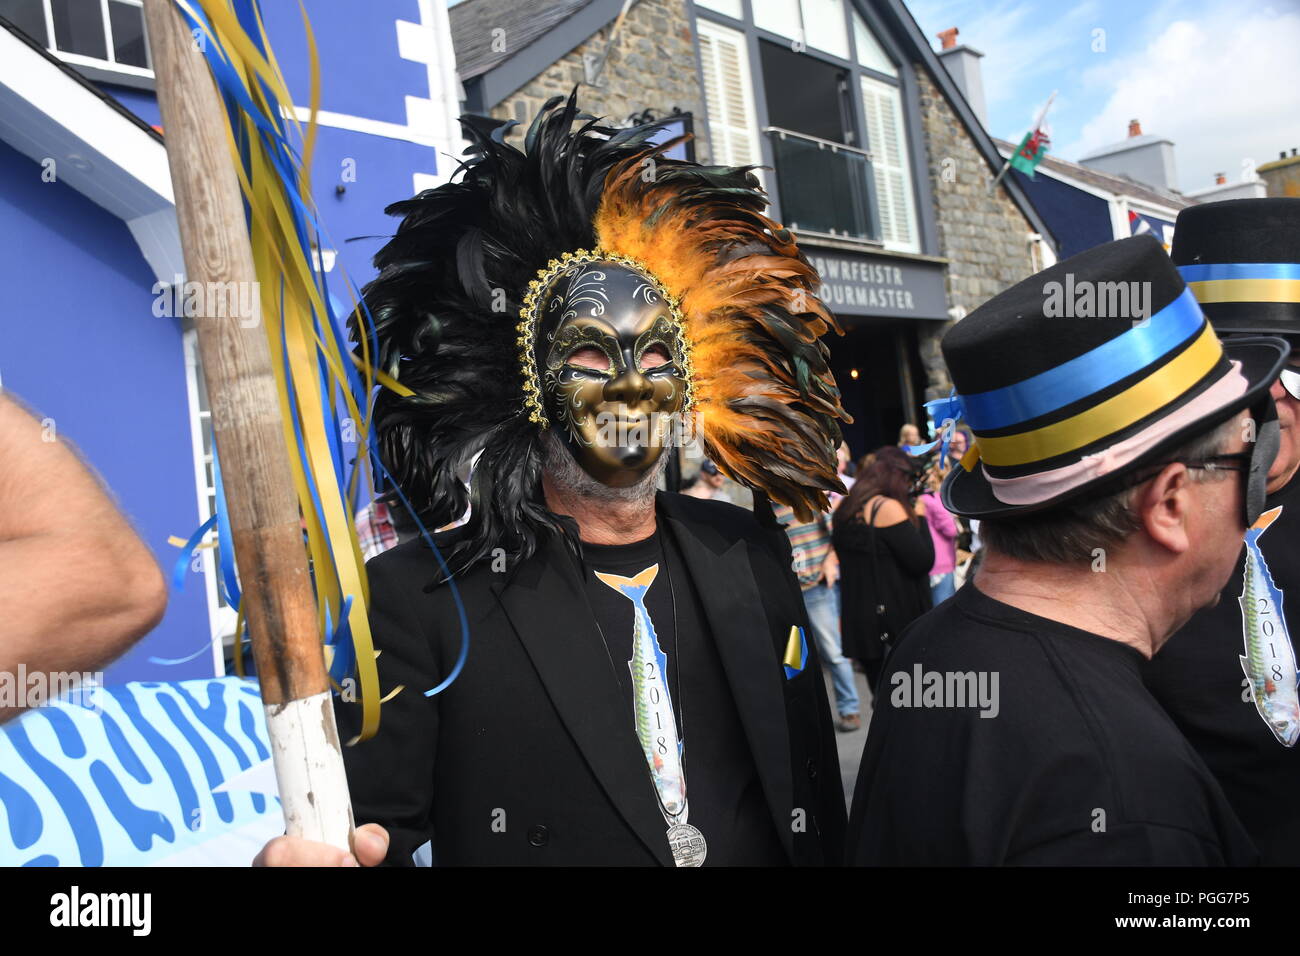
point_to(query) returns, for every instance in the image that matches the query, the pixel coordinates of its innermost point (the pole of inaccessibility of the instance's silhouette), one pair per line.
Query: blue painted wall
(81, 345)
(116, 385)
(361, 73)
(143, 103)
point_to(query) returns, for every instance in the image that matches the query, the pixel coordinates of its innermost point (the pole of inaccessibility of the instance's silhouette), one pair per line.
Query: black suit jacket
(528, 758)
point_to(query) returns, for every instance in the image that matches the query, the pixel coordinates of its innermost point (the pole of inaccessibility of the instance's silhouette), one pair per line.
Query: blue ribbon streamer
(345, 653)
(225, 540)
(944, 411)
(187, 552)
(451, 581)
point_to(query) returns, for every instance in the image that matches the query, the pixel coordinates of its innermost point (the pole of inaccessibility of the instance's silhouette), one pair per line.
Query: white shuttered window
(887, 141)
(733, 126)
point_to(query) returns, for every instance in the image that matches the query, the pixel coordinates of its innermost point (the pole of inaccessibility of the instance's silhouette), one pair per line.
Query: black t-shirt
(1076, 763)
(725, 800)
(1200, 678)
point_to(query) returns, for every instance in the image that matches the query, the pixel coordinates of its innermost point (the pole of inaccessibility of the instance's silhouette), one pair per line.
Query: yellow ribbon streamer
(290, 298)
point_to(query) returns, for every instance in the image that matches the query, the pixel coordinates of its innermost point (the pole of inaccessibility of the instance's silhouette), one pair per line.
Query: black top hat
(1085, 372)
(1241, 259)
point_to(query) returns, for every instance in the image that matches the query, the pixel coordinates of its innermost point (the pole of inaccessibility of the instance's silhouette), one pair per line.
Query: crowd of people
(1069, 608)
(1008, 592)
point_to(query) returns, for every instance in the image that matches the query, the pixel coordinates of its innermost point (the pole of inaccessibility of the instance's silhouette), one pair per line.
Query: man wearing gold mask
(639, 685)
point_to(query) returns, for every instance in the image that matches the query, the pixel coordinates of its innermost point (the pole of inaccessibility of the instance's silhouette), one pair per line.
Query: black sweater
(1048, 750)
(904, 556)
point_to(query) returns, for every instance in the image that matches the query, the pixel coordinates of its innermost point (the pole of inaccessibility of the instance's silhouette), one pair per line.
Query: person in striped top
(818, 571)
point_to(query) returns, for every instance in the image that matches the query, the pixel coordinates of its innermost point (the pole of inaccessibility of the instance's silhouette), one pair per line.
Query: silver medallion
(687, 844)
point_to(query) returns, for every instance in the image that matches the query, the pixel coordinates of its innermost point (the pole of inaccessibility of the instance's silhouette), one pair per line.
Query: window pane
(779, 16)
(870, 52)
(804, 93)
(28, 16)
(79, 27)
(731, 8)
(822, 189)
(824, 21)
(127, 21)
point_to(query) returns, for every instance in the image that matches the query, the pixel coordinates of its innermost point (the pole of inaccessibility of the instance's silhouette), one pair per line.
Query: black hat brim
(969, 494)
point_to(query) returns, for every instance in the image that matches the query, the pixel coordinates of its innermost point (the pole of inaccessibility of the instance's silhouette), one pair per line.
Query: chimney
(1220, 179)
(963, 65)
(1142, 157)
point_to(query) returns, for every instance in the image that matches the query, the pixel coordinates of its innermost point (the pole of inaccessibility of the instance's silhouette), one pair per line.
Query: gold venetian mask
(606, 361)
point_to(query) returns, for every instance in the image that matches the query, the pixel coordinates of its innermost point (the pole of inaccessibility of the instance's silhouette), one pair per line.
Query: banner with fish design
(143, 774)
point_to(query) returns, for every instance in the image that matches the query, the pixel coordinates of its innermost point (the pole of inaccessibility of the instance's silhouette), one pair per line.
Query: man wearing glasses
(1229, 677)
(1118, 457)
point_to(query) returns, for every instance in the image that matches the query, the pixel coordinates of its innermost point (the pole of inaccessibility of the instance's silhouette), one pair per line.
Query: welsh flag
(1031, 151)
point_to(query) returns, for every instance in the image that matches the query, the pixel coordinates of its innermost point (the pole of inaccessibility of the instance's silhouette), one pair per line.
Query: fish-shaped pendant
(1269, 661)
(656, 726)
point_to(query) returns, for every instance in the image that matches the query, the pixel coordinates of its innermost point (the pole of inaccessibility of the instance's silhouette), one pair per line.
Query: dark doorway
(885, 355)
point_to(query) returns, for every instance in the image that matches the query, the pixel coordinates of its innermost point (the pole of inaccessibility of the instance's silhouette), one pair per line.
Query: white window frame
(221, 617)
(881, 168)
(107, 70)
(720, 130)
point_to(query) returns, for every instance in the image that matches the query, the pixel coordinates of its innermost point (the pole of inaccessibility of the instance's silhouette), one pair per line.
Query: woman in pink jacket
(943, 531)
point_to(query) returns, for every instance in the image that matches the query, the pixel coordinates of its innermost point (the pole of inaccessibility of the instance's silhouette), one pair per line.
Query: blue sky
(1221, 79)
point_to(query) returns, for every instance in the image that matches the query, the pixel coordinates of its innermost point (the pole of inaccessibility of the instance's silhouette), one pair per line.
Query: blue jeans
(823, 604)
(942, 587)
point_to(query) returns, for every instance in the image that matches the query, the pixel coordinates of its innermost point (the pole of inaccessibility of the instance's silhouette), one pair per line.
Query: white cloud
(1224, 87)
(1023, 49)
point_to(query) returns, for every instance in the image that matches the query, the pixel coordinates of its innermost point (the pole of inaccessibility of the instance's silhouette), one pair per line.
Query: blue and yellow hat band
(1243, 281)
(1089, 373)
(1179, 330)
(1112, 416)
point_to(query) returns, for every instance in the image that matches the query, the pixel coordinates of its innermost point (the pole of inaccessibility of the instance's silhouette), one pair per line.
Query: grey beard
(568, 476)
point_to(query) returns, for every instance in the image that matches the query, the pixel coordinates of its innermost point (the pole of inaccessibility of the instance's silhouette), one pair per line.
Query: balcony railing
(824, 187)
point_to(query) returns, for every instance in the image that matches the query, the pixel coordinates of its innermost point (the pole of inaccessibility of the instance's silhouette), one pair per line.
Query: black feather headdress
(453, 279)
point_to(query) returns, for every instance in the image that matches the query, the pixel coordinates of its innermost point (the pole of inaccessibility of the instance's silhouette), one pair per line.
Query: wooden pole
(278, 600)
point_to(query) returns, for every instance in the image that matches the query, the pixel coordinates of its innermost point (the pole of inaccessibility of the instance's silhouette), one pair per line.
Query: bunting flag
(1139, 225)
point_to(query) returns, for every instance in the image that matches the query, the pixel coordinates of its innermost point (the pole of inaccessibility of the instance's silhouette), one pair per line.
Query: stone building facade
(869, 152)
(651, 65)
(982, 234)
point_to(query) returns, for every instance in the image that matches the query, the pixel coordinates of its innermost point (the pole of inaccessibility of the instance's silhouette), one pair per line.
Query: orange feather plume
(768, 406)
